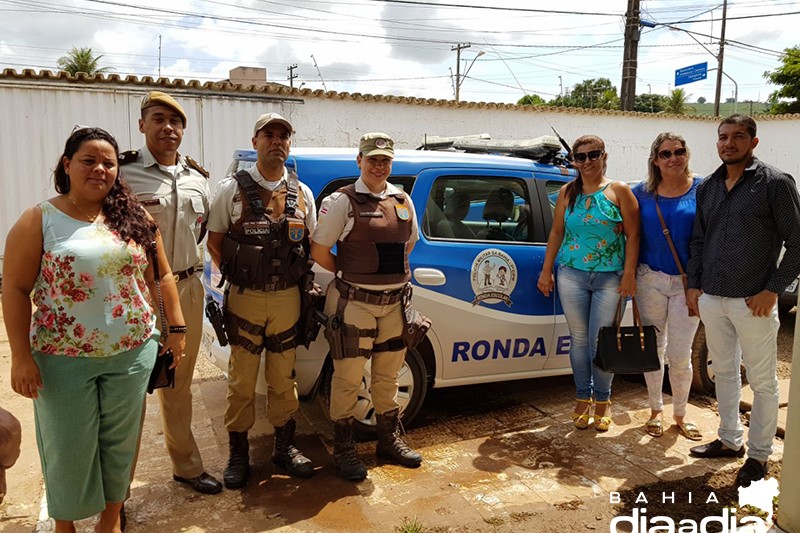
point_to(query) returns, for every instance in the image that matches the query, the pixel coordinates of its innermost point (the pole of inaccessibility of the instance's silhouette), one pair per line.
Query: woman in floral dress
(595, 236)
(86, 356)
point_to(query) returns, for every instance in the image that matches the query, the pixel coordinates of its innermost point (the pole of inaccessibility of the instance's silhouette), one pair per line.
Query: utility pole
(560, 87)
(629, 60)
(291, 75)
(457, 49)
(159, 55)
(720, 57)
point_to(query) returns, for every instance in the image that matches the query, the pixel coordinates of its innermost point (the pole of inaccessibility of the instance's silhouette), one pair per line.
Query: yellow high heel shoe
(603, 423)
(581, 420)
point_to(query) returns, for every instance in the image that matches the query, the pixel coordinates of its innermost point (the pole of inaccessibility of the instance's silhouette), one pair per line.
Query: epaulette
(195, 165)
(128, 157)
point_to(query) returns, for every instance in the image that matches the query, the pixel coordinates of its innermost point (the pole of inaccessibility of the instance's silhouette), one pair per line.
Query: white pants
(662, 303)
(727, 320)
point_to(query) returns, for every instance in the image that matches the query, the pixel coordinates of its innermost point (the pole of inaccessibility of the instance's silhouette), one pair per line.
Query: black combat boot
(287, 456)
(344, 451)
(390, 446)
(238, 469)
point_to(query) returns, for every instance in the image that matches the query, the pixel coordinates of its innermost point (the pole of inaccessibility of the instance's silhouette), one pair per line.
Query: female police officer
(373, 225)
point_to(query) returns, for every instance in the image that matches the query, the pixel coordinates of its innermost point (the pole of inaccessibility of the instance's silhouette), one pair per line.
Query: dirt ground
(583, 512)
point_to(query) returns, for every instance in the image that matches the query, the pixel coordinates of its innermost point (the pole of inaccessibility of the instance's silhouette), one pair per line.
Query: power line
(499, 8)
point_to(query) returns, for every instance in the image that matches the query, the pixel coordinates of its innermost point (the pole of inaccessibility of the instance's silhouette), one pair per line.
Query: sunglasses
(594, 155)
(666, 154)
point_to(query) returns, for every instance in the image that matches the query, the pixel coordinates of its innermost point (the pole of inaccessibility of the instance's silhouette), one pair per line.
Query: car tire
(413, 385)
(702, 365)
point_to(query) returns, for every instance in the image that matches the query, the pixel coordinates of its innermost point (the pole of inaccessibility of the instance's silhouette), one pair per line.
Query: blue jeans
(589, 300)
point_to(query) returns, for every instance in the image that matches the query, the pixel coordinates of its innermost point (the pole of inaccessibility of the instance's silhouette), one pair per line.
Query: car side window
(552, 193)
(478, 209)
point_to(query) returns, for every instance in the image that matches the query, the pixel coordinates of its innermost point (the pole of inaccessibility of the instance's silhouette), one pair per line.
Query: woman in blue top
(659, 289)
(595, 235)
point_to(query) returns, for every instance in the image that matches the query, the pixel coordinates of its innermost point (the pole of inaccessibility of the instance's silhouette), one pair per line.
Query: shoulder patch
(195, 165)
(128, 157)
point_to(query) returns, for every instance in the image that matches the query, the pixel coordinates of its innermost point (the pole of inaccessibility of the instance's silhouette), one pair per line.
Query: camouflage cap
(376, 143)
(271, 118)
(156, 98)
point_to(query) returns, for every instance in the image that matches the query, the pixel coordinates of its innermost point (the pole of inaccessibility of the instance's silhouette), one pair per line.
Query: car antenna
(560, 138)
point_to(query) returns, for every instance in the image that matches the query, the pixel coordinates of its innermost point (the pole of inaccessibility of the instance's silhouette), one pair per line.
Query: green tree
(531, 99)
(675, 102)
(649, 103)
(596, 93)
(82, 60)
(702, 100)
(787, 98)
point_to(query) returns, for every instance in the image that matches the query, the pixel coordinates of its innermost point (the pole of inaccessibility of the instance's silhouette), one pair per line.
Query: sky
(405, 47)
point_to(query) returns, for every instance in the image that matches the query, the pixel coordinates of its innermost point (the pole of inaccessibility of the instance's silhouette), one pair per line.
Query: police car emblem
(296, 230)
(402, 212)
(493, 276)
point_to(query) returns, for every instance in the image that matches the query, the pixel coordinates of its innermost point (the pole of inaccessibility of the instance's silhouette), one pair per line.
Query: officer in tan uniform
(259, 227)
(174, 190)
(368, 219)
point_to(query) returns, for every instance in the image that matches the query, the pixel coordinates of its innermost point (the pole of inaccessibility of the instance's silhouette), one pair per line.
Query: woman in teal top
(86, 356)
(595, 236)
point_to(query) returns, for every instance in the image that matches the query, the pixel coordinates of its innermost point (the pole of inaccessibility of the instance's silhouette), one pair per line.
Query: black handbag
(627, 349)
(162, 375)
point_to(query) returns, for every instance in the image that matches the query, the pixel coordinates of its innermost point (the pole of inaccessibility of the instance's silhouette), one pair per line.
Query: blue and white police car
(484, 223)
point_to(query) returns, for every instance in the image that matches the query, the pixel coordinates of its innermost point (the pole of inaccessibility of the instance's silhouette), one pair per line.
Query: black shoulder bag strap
(153, 253)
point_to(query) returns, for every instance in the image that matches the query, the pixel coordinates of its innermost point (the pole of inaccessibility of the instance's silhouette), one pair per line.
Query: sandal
(654, 427)
(604, 422)
(690, 431)
(581, 420)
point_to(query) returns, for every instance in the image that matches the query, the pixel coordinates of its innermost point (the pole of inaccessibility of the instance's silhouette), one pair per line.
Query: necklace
(91, 218)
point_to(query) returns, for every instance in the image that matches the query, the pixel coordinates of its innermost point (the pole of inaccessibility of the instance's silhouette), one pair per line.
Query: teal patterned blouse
(593, 236)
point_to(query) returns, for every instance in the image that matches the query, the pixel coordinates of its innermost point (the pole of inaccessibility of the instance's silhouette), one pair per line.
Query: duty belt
(183, 274)
(350, 292)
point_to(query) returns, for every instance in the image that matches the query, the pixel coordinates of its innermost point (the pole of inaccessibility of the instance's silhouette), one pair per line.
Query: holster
(334, 334)
(312, 304)
(415, 324)
(231, 322)
(217, 320)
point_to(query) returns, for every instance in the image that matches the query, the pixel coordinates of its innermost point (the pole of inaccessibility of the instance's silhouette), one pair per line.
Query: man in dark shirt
(746, 210)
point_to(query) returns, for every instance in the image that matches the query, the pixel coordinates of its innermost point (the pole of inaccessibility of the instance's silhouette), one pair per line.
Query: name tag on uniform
(372, 214)
(151, 202)
(257, 227)
(402, 212)
(296, 229)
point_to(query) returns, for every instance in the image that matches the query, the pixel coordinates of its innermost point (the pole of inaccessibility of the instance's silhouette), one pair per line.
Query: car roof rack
(545, 149)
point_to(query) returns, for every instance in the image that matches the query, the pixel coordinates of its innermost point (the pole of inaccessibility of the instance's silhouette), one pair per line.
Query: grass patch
(410, 525)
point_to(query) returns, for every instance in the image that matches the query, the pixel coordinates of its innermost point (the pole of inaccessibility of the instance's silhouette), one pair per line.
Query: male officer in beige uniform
(259, 227)
(373, 225)
(174, 190)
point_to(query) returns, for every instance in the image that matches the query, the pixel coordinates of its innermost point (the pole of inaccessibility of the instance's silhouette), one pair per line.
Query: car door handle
(429, 276)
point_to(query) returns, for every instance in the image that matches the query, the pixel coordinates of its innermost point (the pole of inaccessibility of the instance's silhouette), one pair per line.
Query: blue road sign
(692, 73)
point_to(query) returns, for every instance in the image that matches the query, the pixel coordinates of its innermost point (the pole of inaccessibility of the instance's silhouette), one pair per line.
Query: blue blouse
(678, 215)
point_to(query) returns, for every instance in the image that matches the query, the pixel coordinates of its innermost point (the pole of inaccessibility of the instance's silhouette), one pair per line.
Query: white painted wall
(37, 117)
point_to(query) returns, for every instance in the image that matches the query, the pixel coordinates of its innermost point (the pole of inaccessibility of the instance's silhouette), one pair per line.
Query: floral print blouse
(91, 297)
(594, 239)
